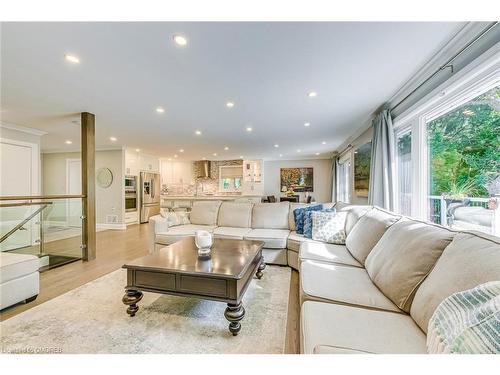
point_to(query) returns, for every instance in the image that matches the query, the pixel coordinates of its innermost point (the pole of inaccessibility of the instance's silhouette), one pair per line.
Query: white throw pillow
(176, 218)
(329, 227)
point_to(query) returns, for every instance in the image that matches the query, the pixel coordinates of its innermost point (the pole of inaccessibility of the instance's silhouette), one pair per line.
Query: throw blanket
(467, 322)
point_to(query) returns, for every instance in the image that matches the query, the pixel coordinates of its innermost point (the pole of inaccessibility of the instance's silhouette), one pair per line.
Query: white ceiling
(126, 70)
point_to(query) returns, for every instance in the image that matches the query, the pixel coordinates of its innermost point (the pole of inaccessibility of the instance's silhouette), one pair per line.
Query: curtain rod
(447, 64)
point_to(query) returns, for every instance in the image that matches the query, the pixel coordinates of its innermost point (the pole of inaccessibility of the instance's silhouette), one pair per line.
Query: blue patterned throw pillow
(308, 221)
(329, 227)
(298, 215)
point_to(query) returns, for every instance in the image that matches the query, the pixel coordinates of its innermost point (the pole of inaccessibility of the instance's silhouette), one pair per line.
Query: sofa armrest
(157, 224)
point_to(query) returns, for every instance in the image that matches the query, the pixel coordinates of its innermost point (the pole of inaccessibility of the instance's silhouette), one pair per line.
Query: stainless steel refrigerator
(150, 195)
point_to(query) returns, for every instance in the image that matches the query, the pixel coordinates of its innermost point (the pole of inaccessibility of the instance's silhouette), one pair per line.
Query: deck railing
(440, 212)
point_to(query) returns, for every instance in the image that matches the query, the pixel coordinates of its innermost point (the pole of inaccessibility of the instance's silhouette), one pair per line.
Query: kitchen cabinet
(131, 162)
(176, 172)
(149, 163)
(253, 179)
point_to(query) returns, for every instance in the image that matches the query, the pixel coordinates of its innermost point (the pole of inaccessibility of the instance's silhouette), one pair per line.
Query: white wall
(322, 184)
(109, 201)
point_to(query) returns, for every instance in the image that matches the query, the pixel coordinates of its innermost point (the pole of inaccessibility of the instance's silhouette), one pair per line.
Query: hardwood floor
(114, 248)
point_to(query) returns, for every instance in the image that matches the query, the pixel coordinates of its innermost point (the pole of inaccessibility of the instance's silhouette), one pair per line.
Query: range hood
(202, 168)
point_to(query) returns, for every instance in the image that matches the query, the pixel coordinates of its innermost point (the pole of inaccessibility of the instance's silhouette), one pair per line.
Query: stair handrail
(43, 206)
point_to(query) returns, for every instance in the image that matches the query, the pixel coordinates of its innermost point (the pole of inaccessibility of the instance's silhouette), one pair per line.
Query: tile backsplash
(201, 186)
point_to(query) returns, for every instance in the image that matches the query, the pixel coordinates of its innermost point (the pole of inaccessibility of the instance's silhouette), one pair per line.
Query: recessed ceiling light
(197, 132)
(181, 150)
(307, 124)
(312, 94)
(226, 148)
(175, 156)
(281, 155)
(276, 145)
(229, 104)
(204, 158)
(180, 40)
(169, 159)
(72, 58)
(113, 139)
(214, 154)
(68, 142)
(299, 150)
(241, 156)
(137, 150)
(160, 110)
(323, 143)
(317, 153)
(249, 129)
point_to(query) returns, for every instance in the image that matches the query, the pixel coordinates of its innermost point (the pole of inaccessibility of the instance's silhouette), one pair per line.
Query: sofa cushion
(328, 226)
(299, 213)
(291, 215)
(469, 260)
(235, 215)
(13, 266)
(204, 212)
(367, 232)
(295, 240)
(179, 232)
(358, 329)
(327, 349)
(327, 252)
(270, 215)
(231, 232)
(354, 213)
(404, 256)
(341, 284)
(273, 238)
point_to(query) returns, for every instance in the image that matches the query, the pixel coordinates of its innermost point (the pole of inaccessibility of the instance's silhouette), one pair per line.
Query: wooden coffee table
(177, 270)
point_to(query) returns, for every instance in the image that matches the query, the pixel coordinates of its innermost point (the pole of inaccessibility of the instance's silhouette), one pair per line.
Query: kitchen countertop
(207, 197)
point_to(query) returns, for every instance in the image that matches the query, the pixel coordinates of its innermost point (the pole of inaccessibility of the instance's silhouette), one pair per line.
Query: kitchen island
(186, 201)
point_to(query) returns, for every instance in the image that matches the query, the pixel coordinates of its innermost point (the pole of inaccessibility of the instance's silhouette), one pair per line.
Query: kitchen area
(152, 184)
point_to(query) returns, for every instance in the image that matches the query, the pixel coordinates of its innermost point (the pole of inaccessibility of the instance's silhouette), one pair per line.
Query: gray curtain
(381, 192)
(334, 179)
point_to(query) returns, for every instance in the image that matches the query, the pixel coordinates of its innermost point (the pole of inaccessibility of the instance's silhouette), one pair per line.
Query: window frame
(455, 92)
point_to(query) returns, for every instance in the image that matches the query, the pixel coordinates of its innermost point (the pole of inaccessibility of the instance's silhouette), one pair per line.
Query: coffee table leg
(130, 299)
(261, 268)
(234, 314)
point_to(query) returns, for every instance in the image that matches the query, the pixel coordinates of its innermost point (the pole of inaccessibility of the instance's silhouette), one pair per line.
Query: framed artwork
(362, 159)
(298, 179)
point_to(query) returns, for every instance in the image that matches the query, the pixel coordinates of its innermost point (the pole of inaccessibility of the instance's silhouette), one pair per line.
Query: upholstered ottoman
(19, 278)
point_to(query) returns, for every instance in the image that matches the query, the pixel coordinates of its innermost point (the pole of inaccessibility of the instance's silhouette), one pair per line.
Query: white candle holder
(203, 241)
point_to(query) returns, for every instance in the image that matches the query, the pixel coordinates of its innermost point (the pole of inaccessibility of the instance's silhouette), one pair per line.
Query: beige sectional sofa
(376, 293)
(272, 223)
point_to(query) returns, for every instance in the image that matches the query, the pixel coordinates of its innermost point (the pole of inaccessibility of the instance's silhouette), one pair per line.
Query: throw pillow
(176, 218)
(467, 322)
(298, 215)
(329, 227)
(307, 230)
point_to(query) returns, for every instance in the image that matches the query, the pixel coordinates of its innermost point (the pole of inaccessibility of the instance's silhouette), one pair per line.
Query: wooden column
(88, 186)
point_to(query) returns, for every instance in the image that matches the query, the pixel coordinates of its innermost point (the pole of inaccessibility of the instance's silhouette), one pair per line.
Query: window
(448, 152)
(230, 178)
(404, 171)
(343, 178)
(463, 146)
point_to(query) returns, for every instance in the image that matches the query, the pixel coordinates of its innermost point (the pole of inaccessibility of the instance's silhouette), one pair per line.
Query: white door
(74, 187)
(18, 176)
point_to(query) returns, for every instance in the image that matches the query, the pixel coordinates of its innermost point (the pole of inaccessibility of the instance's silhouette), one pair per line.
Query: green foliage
(464, 147)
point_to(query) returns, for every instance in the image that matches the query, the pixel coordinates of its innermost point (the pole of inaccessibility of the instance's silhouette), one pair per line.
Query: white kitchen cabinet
(131, 162)
(149, 163)
(253, 178)
(176, 172)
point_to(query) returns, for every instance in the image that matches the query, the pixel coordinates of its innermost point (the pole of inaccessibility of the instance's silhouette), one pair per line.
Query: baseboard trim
(114, 226)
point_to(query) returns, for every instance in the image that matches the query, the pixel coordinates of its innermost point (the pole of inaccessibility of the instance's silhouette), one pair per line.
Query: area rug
(92, 319)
